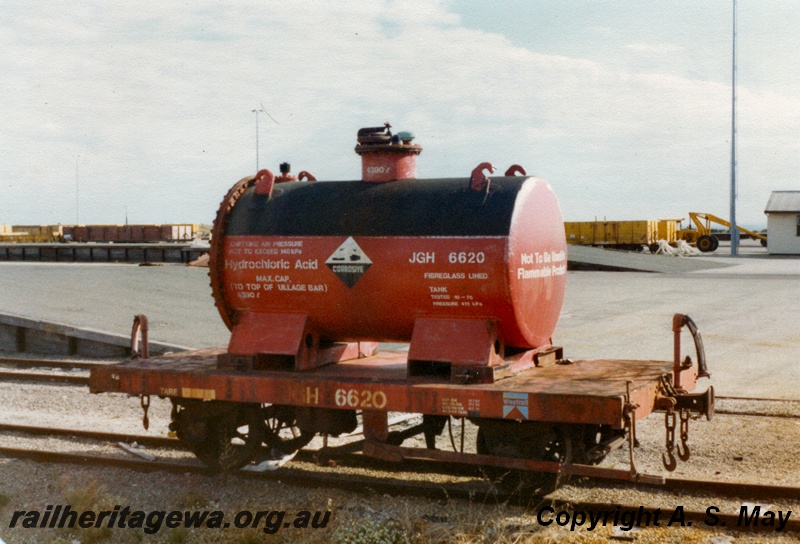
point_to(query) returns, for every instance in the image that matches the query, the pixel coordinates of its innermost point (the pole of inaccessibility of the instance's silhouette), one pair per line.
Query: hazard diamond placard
(349, 262)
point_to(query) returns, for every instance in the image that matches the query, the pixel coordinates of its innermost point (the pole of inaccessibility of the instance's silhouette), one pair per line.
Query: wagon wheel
(280, 430)
(239, 435)
(587, 438)
(538, 441)
(222, 435)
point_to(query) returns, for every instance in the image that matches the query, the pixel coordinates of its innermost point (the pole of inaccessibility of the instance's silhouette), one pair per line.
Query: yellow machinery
(702, 236)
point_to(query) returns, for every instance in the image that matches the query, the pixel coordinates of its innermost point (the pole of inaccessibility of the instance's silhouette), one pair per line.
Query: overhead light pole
(734, 229)
(257, 112)
(77, 209)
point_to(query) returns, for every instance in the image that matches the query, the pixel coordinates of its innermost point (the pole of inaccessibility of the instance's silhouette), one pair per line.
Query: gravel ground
(765, 455)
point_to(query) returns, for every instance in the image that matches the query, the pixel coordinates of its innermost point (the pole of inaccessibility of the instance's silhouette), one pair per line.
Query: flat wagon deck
(585, 391)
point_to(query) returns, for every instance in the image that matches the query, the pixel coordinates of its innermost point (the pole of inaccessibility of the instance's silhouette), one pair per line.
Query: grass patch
(82, 496)
(372, 531)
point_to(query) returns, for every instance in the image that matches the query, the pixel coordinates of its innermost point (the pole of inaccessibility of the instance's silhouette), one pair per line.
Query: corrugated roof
(783, 201)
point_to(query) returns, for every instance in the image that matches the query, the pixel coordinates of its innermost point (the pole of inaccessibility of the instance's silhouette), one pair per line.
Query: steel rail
(754, 399)
(483, 491)
(22, 362)
(754, 414)
(145, 440)
(41, 377)
(346, 455)
(733, 489)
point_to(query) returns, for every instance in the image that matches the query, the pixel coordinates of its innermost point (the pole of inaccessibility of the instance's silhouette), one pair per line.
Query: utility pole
(734, 229)
(77, 209)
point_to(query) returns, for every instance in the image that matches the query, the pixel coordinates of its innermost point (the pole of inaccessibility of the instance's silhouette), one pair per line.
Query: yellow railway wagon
(30, 233)
(39, 233)
(668, 230)
(8, 234)
(618, 234)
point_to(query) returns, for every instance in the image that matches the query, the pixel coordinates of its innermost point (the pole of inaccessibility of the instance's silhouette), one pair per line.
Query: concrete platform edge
(25, 335)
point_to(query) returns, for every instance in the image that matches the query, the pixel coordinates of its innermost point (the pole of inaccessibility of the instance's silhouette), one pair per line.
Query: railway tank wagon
(310, 276)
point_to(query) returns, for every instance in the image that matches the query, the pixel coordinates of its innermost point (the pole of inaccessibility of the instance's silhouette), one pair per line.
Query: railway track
(43, 367)
(143, 439)
(475, 491)
(767, 407)
(63, 364)
(43, 377)
(345, 455)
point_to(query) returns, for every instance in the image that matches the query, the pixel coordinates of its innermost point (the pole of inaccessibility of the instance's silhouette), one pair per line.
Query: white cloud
(654, 48)
(157, 102)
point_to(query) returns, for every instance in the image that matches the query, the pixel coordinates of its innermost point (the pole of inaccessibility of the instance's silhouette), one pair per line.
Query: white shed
(783, 222)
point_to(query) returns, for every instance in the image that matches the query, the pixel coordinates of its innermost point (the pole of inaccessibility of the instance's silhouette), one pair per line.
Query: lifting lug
(515, 169)
(478, 181)
(305, 176)
(265, 181)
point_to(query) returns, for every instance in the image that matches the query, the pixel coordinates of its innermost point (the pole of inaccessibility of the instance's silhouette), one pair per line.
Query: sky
(145, 109)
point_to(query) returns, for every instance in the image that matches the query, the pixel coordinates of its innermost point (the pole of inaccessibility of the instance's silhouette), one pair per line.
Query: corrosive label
(349, 262)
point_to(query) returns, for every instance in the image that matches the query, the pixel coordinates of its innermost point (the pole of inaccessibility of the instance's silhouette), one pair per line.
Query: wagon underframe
(610, 393)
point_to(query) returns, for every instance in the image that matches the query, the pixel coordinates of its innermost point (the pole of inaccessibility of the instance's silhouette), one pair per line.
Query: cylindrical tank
(364, 260)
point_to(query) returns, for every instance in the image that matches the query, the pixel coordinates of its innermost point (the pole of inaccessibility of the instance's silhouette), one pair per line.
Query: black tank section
(419, 207)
